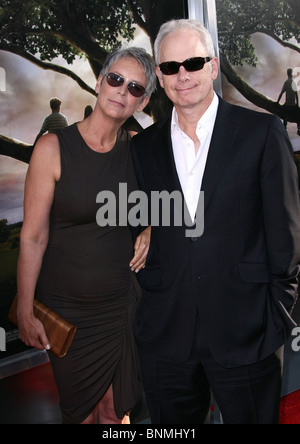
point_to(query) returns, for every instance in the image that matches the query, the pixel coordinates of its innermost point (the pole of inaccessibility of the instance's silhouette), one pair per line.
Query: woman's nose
(123, 90)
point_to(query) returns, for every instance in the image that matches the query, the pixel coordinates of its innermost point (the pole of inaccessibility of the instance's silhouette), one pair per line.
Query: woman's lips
(118, 104)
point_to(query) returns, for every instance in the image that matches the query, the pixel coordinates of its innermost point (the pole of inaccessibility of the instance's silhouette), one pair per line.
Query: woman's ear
(98, 84)
(143, 104)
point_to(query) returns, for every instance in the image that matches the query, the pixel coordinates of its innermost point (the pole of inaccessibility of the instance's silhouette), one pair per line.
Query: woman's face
(117, 102)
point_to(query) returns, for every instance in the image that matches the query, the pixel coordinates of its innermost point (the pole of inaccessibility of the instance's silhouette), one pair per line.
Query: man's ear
(215, 68)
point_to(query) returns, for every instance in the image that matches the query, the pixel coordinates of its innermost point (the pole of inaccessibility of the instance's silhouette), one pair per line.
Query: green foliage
(41, 31)
(239, 19)
(107, 21)
(64, 27)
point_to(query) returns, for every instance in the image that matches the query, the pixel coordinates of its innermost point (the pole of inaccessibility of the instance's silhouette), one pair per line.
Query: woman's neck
(99, 132)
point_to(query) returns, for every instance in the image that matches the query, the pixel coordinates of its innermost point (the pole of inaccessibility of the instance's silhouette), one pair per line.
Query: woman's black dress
(86, 278)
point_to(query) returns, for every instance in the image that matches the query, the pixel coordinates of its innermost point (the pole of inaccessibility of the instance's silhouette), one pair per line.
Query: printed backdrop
(25, 88)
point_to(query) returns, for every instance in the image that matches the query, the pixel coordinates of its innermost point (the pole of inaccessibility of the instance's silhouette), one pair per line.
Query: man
(216, 308)
(55, 121)
(290, 90)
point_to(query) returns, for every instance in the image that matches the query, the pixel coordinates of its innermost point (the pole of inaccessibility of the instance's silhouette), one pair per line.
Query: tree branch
(48, 66)
(280, 41)
(81, 43)
(137, 18)
(15, 149)
(289, 113)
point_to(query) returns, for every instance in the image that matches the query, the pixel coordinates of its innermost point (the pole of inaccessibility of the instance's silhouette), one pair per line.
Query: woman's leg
(106, 410)
(92, 418)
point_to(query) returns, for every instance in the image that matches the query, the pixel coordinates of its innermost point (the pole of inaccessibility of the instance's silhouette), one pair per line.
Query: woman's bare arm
(43, 173)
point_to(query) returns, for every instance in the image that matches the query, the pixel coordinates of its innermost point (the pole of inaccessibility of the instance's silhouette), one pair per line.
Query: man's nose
(183, 74)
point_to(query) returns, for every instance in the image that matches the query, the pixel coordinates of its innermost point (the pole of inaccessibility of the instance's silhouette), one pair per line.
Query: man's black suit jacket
(241, 275)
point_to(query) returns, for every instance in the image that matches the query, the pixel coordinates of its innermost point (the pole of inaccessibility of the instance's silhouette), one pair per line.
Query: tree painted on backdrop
(238, 20)
(41, 31)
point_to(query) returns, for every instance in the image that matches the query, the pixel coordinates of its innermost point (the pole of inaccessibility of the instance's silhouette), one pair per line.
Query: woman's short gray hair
(176, 25)
(140, 55)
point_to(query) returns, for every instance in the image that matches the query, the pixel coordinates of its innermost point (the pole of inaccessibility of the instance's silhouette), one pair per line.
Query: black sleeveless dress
(86, 278)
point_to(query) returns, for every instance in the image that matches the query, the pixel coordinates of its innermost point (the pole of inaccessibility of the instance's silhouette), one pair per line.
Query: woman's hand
(32, 332)
(141, 249)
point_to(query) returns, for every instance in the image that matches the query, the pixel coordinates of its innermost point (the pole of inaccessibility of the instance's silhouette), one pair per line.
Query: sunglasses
(115, 80)
(191, 65)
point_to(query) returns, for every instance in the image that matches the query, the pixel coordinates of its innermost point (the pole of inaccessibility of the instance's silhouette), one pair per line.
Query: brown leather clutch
(59, 331)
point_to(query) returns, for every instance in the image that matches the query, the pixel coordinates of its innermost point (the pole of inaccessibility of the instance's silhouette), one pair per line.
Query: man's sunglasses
(191, 65)
(115, 80)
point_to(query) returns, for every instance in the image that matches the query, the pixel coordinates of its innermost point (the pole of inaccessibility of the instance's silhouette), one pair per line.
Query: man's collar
(208, 119)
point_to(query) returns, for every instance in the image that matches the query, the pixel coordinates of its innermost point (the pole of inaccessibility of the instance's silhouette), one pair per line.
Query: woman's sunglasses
(115, 80)
(191, 65)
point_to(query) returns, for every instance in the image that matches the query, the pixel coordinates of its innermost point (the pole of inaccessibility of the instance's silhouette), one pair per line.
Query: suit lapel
(221, 144)
(166, 160)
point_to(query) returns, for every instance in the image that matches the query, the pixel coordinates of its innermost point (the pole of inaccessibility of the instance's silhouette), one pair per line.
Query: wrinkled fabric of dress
(86, 278)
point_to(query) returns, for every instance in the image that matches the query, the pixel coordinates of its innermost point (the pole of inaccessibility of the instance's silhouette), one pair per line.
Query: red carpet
(290, 409)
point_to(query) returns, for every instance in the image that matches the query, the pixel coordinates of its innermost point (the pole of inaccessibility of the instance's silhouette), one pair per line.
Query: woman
(78, 269)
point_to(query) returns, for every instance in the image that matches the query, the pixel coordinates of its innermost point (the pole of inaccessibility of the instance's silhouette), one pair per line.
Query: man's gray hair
(177, 25)
(140, 55)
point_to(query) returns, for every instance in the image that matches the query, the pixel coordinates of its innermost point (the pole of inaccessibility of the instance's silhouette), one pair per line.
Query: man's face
(187, 89)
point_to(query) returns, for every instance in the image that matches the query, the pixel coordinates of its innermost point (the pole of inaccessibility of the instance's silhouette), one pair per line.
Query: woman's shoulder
(46, 145)
(46, 155)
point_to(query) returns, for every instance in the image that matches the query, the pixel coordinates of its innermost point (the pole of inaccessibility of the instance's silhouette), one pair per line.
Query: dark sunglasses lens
(191, 65)
(194, 64)
(170, 68)
(136, 90)
(114, 80)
